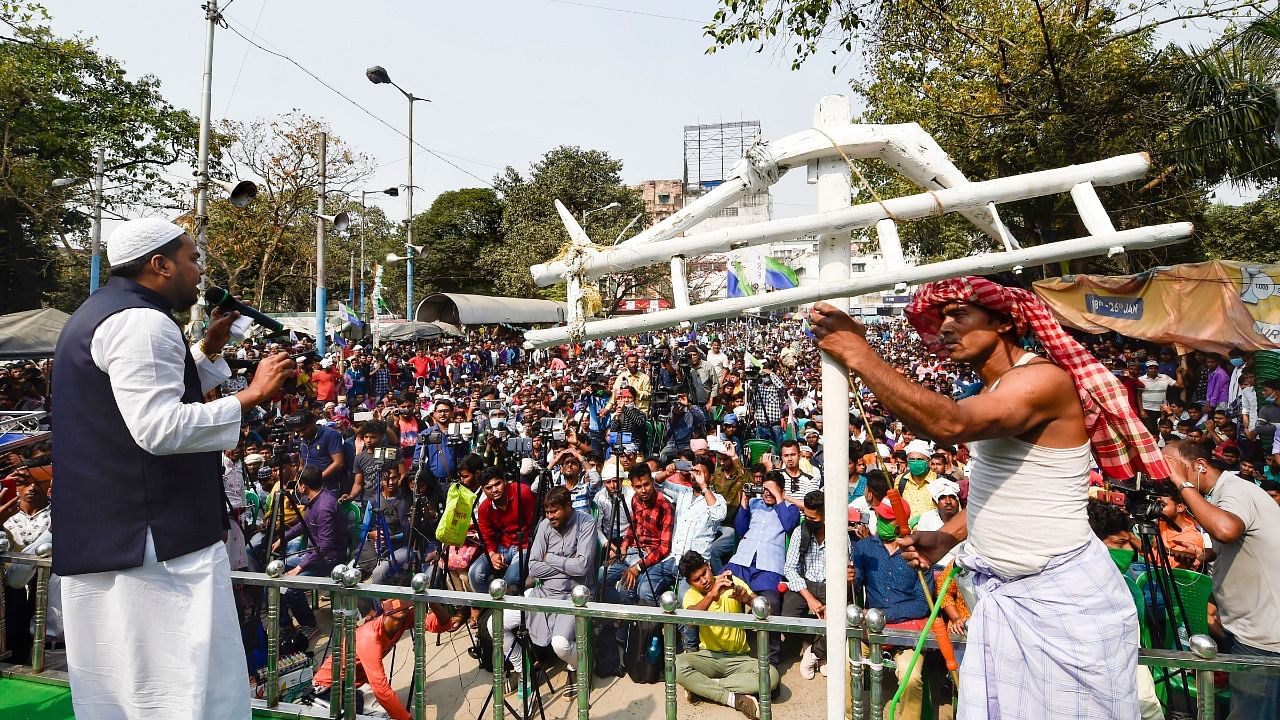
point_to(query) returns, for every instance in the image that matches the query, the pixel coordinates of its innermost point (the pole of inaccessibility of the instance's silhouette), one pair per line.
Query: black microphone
(215, 296)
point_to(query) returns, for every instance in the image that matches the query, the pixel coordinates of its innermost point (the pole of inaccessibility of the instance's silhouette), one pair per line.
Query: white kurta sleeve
(212, 374)
(143, 353)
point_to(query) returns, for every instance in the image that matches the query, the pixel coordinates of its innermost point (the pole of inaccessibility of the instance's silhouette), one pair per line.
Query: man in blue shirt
(435, 450)
(762, 524)
(892, 585)
(321, 448)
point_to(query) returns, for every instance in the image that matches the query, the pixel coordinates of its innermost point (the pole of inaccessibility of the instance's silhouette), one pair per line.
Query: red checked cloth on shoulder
(1121, 445)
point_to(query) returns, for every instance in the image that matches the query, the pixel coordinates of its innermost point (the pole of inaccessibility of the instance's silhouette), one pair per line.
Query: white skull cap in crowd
(920, 446)
(135, 238)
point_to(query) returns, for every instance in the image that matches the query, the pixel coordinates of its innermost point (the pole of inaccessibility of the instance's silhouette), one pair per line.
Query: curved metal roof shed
(462, 309)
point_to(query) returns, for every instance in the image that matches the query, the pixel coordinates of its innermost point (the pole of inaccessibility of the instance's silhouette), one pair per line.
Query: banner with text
(1211, 306)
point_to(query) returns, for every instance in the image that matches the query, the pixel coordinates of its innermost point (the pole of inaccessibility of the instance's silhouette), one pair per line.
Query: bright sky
(508, 80)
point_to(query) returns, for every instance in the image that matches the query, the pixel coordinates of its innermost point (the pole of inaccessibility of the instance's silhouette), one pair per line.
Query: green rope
(924, 635)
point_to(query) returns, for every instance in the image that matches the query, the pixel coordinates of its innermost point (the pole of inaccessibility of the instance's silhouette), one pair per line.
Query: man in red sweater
(326, 380)
(505, 518)
(374, 640)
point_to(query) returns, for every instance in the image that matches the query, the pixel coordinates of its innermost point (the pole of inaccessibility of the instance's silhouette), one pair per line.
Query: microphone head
(214, 295)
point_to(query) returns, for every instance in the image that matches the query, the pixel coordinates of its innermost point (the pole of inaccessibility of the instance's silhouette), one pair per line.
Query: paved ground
(457, 688)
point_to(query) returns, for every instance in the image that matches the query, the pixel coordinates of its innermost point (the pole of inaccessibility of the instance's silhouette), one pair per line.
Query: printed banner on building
(1210, 306)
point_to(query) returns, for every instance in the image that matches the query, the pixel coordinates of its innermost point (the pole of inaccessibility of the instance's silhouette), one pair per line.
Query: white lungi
(157, 641)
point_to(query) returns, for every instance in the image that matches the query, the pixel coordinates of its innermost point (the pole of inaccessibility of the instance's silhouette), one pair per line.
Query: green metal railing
(865, 636)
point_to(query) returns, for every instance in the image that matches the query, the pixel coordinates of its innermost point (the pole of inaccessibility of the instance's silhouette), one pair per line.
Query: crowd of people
(687, 460)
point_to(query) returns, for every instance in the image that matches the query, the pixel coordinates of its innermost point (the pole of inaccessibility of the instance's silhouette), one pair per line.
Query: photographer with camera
(328, 529)
(1244, 523)
(765, 518)
(631, 377)
(321, 448)
(699, 379)
(699, 512)
(435, 450)
(367, 466)
(687, 422)
(629, 419)
(595, 400)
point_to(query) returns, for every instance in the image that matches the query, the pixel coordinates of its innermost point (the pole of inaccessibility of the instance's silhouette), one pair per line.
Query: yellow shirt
(717, 638)
(918, 496)
(288, 511)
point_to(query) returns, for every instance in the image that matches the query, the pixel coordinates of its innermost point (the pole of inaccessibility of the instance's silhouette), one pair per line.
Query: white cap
(921, 447)
(134, 238)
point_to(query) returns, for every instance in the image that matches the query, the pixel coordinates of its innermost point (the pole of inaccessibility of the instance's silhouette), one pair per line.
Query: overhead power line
(434, 153)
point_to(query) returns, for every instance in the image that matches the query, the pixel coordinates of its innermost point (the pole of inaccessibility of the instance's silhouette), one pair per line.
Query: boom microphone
(217, 297)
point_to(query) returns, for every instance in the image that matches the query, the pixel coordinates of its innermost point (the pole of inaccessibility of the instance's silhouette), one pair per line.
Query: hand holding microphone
(215, 296)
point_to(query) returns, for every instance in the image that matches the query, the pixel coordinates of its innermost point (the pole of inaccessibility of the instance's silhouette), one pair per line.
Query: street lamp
(589, 213)
(391, 192)
(411, 251)
(378, 76)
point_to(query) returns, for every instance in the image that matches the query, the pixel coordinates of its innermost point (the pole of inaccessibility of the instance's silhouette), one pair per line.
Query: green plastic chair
(1194, 589)
(355, 517)
(757, 447)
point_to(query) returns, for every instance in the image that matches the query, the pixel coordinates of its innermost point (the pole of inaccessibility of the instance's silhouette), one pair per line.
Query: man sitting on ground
(723, 671)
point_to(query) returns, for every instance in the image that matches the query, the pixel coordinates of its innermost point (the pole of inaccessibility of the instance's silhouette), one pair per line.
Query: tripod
(382, 537)
(1156, 557)
(531, 667)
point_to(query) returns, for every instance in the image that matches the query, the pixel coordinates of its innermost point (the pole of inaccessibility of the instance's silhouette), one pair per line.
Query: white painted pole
(833, 267)
(723, 195)
(1092, 213)
(890, 244)
(929, 204)
(1142, 238)
(679, 281)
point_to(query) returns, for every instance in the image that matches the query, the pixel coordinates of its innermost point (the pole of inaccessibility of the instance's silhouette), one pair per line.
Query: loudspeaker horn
(241, 193)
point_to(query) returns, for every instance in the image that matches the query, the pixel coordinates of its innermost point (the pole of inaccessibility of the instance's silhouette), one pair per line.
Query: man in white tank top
(1054, 631)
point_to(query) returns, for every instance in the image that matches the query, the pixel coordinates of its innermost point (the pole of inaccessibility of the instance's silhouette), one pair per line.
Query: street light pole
(408, 285)
(95, 260)
(378, 75)
(211, 15)
(321, 293)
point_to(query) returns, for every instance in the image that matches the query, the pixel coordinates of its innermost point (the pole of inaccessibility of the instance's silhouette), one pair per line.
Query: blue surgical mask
(1237, 362)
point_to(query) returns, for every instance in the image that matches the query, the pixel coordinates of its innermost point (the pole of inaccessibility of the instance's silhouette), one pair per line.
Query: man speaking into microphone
(150, 620)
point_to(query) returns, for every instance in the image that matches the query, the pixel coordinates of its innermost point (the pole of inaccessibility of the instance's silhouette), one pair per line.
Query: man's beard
(187, 300)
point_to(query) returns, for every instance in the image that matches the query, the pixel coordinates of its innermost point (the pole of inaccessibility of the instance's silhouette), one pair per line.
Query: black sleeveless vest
(107, 490)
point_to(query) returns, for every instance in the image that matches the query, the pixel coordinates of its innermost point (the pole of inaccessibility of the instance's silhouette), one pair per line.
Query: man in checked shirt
(639, 572)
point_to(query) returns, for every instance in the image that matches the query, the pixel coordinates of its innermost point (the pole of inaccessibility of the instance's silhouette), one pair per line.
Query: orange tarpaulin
(1210, 306)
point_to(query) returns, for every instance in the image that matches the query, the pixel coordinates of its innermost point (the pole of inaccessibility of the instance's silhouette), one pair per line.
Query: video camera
(278, 435)
(552, 428)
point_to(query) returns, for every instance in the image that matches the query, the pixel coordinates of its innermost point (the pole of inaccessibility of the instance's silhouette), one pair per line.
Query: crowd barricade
(865, 636)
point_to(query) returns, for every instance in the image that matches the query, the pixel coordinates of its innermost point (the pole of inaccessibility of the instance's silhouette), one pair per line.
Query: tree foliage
(458, 229)
(1230, 94)
(267, 251)
(583, 180)
(1247, 232)
(61, 100)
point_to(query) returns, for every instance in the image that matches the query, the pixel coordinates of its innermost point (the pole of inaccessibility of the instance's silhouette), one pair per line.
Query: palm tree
(1232, 92)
